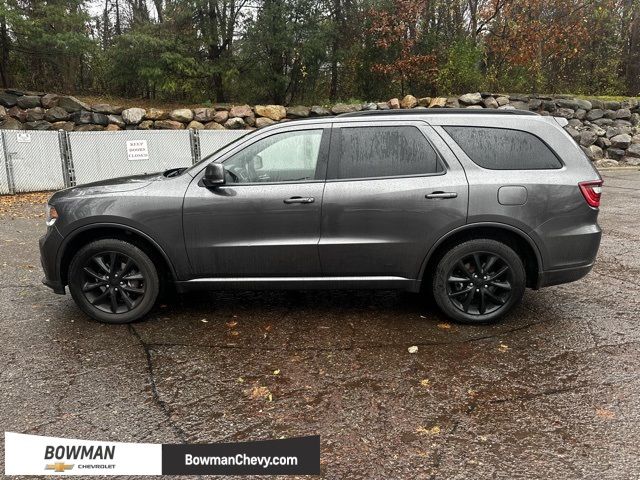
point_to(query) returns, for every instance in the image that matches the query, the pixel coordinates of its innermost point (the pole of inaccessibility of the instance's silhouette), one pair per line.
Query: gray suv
(469, 206)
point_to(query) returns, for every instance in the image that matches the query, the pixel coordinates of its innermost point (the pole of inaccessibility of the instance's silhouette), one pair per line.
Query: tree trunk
(4, 53)
(633, 56)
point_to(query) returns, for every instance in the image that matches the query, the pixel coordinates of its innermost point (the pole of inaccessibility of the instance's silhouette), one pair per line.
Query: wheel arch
(93, 232)
(522, 243)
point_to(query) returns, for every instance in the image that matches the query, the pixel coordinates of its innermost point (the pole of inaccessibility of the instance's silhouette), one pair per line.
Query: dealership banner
(38, 455)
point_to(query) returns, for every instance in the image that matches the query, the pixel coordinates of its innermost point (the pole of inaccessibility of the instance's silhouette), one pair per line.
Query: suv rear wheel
(113, 281)
(479, 281)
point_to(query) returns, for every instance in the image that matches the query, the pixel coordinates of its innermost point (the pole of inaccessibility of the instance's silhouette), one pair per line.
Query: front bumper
(49, 247)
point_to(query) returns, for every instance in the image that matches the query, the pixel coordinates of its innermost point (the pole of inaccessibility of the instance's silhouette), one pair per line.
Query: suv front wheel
(113, 281)
(479, 281)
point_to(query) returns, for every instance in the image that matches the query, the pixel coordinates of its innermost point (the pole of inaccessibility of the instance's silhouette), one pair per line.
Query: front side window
(283, 157)
(504, 149)
(385, 151)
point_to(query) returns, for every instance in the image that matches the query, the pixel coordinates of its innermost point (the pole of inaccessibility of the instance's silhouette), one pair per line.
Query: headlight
(51, 215)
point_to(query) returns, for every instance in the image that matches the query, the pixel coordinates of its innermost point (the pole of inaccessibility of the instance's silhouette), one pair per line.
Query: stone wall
(608, 131)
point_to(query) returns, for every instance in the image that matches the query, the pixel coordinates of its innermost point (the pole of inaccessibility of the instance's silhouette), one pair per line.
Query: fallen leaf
(413, 349)
(424, 382)
(204, 320)
(503, 348)
(604, 413)
(444, 326)
(256, 393)
(435, 430)
(276, 372)
(232, 324)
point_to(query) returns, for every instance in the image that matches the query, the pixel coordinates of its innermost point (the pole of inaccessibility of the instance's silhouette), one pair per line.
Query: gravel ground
(551, 392)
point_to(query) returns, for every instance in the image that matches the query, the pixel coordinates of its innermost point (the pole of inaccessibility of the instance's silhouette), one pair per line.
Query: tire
(479, 281)
(113, 281)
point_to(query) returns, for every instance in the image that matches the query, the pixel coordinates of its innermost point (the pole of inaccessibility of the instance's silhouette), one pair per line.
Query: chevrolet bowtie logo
(58, 467)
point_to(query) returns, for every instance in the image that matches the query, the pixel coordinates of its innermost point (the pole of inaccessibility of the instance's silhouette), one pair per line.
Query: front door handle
(299, 200)
(441, 195)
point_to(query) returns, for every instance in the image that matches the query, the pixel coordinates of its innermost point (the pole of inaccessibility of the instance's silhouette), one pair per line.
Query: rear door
(392, 190)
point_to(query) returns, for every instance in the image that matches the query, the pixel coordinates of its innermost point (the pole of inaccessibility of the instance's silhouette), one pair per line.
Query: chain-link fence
(34, 160)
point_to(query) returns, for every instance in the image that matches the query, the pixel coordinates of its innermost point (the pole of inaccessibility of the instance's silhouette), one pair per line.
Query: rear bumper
(564, 275)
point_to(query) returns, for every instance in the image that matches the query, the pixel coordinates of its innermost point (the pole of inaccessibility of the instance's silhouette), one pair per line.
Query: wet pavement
(553, 391)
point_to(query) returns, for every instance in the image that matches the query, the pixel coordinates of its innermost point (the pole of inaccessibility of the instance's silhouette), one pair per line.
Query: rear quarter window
(504, 149)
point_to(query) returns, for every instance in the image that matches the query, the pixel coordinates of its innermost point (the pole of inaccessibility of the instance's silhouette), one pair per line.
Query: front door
(393, 189)
(265, 221)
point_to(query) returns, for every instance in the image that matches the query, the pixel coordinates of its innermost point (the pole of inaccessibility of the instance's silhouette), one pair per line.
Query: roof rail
(436, 111)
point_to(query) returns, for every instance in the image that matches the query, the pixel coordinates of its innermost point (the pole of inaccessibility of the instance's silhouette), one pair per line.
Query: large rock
(72, 104)
(203, 115)
(18, 114)
(380, 105)
(584, 104)
(234, 123)
(365, 106)
(303, 112)
(633, 150)
(10, 123)
(56, 114)
(145, 125)
(471, 98)
(587, 138)
(621, 141)
(50, 100)
(100, 119)
(156, 114)
(319, 111)
(409, 101)
(38, 125)
(438, 102)
(28, 101)
(593, 152)
(213, 126)
(107, 109)
(264, 122)
(452, 102)
(82, 118)
(568, 103)
(394, 104)
(240, 111)
(502, 100)
(35, 114)
(3, 112)
(594, 114)
(195, 125)
(8, 99)
(424, 101)
(623, 113)
(133, 116)
(221, 116)
(169, 125)
(112, 128)
(117, 121)
(89, 128)
(274, 112)
(66, 126)
(563, 112)
(612, 105)
(490, 102)
(183, 115)
(339, 108)
(606, 163)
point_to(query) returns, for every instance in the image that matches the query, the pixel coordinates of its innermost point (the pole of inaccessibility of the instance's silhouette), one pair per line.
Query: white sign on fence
(23, 137)
(137, 150)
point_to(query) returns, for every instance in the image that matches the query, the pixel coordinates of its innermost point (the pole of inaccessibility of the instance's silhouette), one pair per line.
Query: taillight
(591, 191)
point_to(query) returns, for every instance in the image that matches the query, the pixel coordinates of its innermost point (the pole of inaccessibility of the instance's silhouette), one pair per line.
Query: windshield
(208, 157)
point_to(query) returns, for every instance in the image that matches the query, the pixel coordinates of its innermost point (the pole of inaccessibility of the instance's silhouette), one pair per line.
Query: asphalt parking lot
(551, 392)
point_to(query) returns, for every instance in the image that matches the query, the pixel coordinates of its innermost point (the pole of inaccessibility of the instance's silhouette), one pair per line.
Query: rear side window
(504, 149)
(365, 152)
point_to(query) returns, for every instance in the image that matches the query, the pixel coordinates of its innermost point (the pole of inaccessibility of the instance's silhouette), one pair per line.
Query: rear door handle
(299, 200)
(441, 195)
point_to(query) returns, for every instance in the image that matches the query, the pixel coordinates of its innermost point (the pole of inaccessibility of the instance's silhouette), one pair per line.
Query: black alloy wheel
(479, 281)
(113, 282)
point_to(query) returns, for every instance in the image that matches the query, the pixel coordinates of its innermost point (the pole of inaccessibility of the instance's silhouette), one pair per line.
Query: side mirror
(257, 162)
(213, 175)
